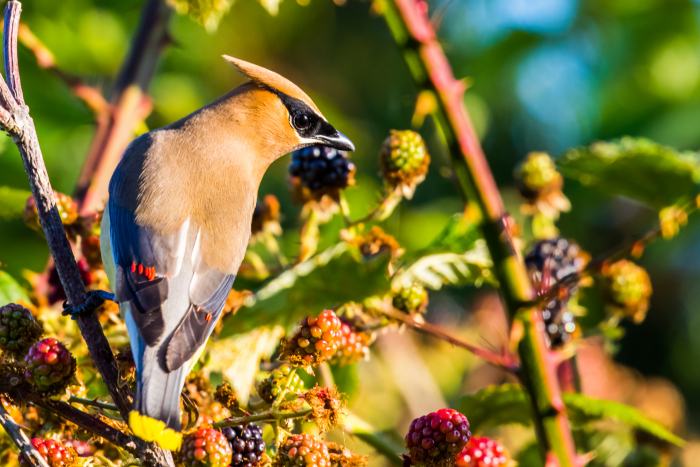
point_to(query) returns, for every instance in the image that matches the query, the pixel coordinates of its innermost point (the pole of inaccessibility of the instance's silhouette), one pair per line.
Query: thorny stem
(15, 432)
(411, 28)
(269, 416)
(505, 362)
(15, 119)
(93, 403)
(129, 105)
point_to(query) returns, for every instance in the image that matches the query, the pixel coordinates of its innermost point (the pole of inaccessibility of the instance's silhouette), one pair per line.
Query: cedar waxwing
(177, 224)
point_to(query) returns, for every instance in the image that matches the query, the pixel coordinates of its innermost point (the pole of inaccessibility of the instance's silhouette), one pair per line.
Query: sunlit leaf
(635, 167)
(585, 409)
(508, 404)
(433, 271)
(10, 290)
(328, 279)
(12, 202)
(458, 236)
(238, 357)
(496, 405)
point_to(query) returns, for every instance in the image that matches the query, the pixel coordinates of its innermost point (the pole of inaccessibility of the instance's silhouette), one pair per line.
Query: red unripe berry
(49, 365)
(206, 447)
(483, 452)
(437, 436)
(54, 453)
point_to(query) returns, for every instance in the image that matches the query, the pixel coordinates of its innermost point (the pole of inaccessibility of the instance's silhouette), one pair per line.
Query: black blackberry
(549, 262)
(321, 167)
(246, 443)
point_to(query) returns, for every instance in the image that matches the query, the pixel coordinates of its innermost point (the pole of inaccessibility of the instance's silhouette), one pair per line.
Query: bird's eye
(302, 121)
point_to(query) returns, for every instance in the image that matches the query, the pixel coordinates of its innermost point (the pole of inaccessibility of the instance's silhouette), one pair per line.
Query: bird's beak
(337, 141)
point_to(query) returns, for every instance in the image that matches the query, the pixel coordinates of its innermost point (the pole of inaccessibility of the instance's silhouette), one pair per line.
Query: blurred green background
(545, 75)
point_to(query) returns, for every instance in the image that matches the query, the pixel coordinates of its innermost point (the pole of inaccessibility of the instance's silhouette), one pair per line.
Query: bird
(177, 223)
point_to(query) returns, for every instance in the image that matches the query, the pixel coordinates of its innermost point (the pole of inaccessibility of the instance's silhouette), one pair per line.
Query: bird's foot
(95, 298)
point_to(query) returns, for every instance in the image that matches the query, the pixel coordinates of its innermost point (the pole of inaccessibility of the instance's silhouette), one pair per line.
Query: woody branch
(15, 119)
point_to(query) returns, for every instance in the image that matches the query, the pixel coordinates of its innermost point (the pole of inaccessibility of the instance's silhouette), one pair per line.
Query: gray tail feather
(158, 392)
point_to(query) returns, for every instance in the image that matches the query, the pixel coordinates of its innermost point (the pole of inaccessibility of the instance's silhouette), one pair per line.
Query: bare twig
(20, 126)
(129, 105)
(409, 24)
(505, 362)
(15, 432)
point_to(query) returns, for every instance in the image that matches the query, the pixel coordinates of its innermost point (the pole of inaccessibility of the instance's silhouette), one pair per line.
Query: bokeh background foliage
(544, 75)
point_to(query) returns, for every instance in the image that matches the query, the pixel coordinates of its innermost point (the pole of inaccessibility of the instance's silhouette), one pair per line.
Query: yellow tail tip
(149, 429)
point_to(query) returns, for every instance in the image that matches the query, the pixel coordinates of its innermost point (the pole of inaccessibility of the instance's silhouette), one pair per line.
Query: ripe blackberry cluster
(627, 289)
(316, 341)
(322, 168)
(206, 447)
(353, 345)
(246, 444)
(483, 452)
(438, 436)
(549, 262)
(277, 381)
(411, 300)
(404, 160)
(49, 366)
(54, 453)
(303, 450)
(18, 329)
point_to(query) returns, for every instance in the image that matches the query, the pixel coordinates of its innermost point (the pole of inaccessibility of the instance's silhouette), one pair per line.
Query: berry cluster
(322, 169)
(627, 289)
(316, 341)
(269, 389)
(54, 453)
(81, 448)
(49, 365)
(246, 444)
(353, 345)
(303, 450)
(536, 175)
(438, 436)
(18, 329)
(90, 240)
(549, 262)
(266, 217)
(206, 447)
(404, 160)
(483, 452)
(411, 300)
(67, 209)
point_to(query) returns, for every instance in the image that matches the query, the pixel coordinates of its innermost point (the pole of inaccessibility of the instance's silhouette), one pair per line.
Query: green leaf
(458, 236)
(530, 456)
(584, 409)
(508, 404)
(496, 405)
(433, 271)
(635, 167)
(10, 290)
(328, 279)
(12, 202)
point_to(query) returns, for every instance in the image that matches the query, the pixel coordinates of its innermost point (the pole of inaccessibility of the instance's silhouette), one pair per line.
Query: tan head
(303, 124)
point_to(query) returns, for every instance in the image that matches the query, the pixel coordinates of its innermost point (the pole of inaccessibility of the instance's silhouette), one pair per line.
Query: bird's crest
(271, 79)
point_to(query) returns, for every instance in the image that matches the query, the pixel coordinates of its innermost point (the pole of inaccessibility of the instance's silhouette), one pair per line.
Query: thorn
(208, 317)
(133, 267)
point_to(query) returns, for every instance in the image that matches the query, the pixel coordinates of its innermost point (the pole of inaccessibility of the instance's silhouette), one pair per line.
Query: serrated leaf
(585, 409)
(508, 404)
(496, 405)
(12, 202)
(10, 290)
(238, 357)
(459, 235)
(637, 168)
(433, 271)
(330, 278)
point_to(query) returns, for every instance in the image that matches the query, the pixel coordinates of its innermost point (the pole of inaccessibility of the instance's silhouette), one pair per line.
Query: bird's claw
(95, 298)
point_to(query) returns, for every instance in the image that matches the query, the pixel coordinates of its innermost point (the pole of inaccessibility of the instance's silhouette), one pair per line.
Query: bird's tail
(156, 410)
